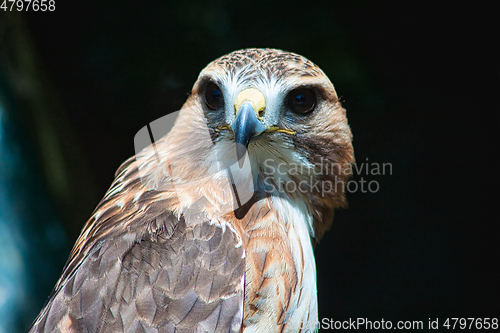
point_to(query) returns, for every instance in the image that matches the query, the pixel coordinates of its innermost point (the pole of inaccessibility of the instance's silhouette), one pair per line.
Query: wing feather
(149, 272)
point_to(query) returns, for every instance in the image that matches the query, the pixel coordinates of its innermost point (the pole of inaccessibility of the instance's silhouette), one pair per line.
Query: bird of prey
(212, 227)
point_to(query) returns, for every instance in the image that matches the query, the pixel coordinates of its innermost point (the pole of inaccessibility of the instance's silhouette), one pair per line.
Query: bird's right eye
(213, 96)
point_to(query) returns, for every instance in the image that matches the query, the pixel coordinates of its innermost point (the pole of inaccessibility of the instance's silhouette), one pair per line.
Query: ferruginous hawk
(211, 228)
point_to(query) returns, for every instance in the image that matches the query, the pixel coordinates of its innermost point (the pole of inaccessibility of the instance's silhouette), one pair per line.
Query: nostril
(261, 113)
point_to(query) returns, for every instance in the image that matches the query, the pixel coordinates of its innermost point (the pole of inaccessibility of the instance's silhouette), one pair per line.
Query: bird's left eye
(213, 96)
(301, 100)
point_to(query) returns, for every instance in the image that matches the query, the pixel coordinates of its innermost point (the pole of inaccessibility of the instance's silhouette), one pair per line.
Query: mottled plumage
(176, 245)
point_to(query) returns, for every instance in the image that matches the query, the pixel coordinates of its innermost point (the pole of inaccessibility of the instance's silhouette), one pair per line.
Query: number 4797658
(27, 5)
(471, 323)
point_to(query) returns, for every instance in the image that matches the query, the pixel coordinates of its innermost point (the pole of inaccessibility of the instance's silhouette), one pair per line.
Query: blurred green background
(76, 84)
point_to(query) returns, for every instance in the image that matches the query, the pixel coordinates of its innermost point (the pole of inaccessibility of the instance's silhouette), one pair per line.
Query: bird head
(281, 112)
(276, 116)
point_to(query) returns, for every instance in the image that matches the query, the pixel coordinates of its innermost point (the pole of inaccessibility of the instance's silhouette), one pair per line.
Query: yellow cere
(255, 97)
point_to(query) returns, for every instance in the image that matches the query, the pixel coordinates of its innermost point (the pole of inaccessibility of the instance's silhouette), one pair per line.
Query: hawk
(212, 227)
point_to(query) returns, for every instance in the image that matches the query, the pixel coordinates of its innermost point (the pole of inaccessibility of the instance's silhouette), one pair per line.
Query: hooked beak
(249, 107)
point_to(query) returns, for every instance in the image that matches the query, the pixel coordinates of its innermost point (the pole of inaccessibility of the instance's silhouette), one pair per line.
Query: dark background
(416, 80)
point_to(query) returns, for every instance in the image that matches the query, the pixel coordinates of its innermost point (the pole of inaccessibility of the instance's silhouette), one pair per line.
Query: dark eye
(213, 96)
(301, 100)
